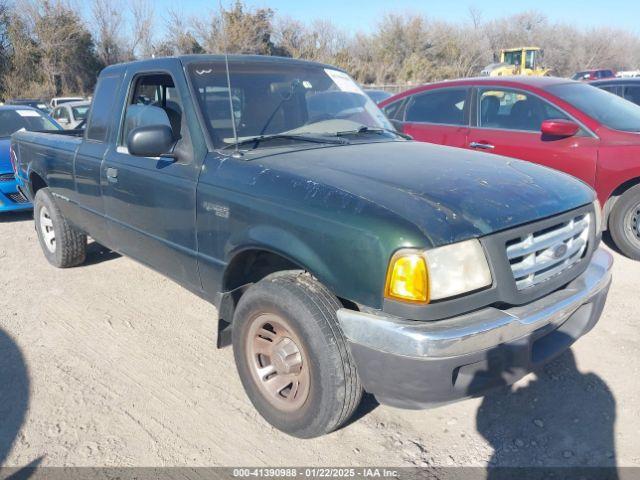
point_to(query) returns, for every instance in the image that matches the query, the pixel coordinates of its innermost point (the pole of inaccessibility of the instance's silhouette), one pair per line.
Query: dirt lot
(112, 364)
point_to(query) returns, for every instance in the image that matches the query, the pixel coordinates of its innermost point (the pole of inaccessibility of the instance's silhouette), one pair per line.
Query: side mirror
(150, 141)
(559, 128)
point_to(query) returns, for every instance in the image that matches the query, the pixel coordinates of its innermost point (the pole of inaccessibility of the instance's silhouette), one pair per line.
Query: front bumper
(414, 364)
(10, 197)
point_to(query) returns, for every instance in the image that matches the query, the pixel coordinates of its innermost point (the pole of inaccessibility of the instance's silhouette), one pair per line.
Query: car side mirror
(559, 128)
(151, 141)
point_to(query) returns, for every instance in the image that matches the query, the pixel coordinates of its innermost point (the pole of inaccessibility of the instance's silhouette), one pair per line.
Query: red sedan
(570, 126)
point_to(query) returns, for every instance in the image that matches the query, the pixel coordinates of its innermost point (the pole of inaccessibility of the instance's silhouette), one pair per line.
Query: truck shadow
(562, 418)
(97, 253)
(10, 217)
(14, 393)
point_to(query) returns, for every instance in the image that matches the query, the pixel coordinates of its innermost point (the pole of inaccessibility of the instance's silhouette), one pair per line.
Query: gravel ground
(110, 364)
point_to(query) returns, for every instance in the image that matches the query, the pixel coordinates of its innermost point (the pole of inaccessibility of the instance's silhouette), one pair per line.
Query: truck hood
(5, 163)
(450, 194)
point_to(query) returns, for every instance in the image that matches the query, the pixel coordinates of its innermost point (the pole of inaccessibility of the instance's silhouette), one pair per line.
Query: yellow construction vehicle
(518, 61)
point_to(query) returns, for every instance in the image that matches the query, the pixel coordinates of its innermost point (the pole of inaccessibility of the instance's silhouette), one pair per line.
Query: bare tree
(142, 35)
(108, 20)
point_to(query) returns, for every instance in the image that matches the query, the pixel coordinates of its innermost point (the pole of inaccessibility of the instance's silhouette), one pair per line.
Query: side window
(632, 93)
(529, 59)
(514, 110)
(445, 106)
(56, 114)
(102, 106)
(154, 99)
(611, 89)
(393, 110)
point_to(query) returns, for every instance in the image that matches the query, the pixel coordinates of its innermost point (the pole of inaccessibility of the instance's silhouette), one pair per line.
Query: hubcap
(277, 361)
(635, 221)
(46, 228)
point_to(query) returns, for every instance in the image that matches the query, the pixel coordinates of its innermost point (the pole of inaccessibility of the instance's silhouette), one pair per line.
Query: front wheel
(292, 357)
(624, 223)
(62, 244)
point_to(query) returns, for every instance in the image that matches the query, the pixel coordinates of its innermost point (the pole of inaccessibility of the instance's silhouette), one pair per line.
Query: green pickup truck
(342, 256)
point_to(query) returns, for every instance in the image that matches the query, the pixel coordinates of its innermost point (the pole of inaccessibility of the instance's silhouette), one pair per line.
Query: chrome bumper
(479, 330)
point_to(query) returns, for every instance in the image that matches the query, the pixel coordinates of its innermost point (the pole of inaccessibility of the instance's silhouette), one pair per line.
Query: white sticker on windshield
(343, 81)
(28, 113)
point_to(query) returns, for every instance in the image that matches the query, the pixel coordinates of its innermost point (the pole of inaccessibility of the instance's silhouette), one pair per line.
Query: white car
(70, 115)
(57, 101)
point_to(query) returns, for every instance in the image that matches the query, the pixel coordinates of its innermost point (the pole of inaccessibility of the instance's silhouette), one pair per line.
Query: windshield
(80, 113)
(13, 120)
(282, 99)
(609, 109)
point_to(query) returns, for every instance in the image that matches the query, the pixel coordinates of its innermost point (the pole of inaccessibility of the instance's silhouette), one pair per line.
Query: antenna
(236, 153)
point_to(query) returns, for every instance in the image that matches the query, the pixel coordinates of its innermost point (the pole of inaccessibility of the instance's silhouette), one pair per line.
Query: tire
(287, 308)
(624, 223)
(63, 245)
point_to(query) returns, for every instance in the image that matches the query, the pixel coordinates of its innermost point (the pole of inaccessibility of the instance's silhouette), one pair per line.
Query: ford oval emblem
(560, 251)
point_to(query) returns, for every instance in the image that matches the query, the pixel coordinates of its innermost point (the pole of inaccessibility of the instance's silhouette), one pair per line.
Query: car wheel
(62, 244)
(292, 357)
(624, 223)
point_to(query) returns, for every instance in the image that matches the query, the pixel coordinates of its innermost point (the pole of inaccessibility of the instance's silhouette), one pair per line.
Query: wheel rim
(635, 221)
(278, 362)
(46, 228)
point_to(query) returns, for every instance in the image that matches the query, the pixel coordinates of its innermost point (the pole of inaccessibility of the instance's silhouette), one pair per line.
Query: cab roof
(258, 59)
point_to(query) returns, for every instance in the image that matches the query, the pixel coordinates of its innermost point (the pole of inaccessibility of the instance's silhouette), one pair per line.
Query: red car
(594, 74)
(570, 126)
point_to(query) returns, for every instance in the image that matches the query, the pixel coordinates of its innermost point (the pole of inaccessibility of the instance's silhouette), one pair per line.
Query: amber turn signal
(407, 278)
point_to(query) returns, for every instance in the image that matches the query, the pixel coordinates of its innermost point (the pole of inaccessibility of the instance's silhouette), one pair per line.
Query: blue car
(12, 119)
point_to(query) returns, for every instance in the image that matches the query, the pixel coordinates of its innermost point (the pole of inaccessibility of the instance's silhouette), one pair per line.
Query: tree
(52, 36)
(108, 21)
(238, 30)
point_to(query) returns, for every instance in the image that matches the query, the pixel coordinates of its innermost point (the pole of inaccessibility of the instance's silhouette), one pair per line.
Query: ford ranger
(342, 257)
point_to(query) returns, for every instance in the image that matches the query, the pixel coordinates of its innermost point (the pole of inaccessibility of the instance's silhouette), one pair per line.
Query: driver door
(507, 122)
(150, 202)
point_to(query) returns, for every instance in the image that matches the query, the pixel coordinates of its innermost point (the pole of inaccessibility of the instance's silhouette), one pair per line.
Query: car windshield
(285, 102)
(12, 120)
(80, 113)
(579, 75)
(609, 109)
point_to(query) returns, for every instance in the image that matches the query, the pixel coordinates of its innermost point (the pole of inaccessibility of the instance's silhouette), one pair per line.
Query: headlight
(598, 216)
(419, 276)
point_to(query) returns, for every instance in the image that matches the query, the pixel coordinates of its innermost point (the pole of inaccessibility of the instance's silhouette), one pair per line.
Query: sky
(363, 15)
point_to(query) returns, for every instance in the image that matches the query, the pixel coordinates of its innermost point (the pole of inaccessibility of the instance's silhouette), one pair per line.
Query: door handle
(482, 146)
(112, 174)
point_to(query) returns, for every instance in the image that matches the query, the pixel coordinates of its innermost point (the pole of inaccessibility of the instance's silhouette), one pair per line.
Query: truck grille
(541, 255)
(17, 197)
(7, 177)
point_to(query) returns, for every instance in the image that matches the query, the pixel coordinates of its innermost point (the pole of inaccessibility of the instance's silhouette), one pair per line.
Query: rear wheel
(292, 357)
(62, 244)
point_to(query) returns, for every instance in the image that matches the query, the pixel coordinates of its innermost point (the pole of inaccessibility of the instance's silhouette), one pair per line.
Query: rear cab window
(102, 107)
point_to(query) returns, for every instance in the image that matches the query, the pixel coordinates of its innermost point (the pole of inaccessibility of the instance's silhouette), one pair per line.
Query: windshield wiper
(288, 136)
(378, 130)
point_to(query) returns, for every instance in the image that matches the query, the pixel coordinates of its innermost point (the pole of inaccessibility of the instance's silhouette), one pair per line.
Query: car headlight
(420, 276)
(598, 216)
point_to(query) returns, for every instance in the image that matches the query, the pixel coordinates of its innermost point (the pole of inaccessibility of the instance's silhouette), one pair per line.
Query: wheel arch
(252, 262)
(36, 182)
(613, 198)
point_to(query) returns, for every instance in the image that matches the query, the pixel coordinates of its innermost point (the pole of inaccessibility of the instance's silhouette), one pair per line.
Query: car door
(438, 116)
(150, 202)
(508, 121)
